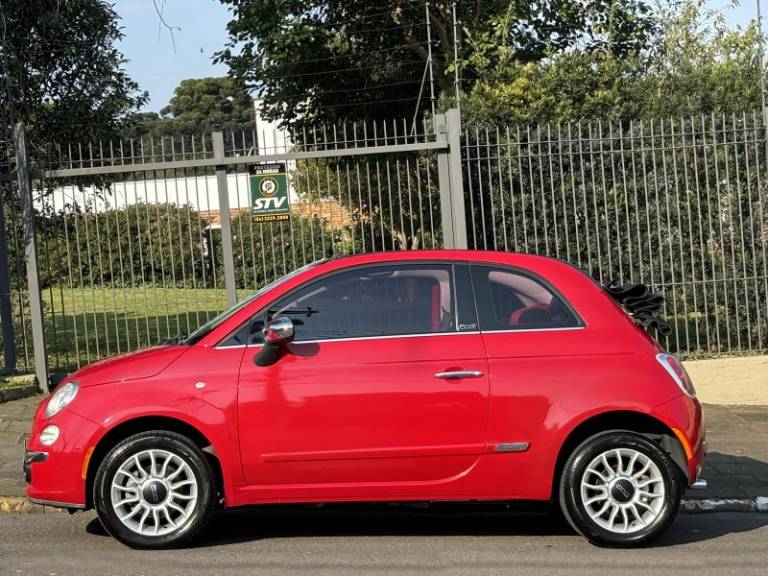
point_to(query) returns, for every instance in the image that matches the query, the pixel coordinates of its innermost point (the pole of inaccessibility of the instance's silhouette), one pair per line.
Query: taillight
(674, 368)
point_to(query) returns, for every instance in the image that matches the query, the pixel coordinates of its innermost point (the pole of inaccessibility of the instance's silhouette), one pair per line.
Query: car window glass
(218, 320)
(370, 301)
(511, 300)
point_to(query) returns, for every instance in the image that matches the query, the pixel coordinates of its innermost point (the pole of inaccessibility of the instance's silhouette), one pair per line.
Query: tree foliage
(693, 64)
(325, 59)
(198, 106)
(61, 72)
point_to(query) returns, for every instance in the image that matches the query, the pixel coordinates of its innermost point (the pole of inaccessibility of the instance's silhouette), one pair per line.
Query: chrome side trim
(56, 504)
(512, 447)
(561, 329)
(432, 334)
(428, 334)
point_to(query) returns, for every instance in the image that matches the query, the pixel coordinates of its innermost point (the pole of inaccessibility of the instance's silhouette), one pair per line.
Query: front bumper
(56, 474)
(29, 459)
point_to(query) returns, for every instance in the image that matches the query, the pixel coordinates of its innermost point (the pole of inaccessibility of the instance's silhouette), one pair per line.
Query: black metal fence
(679, 204)
(140, 240)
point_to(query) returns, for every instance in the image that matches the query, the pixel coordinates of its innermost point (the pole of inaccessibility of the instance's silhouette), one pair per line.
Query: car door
(385, 382)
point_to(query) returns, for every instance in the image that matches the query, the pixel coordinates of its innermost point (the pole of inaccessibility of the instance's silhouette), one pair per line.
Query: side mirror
(279, 331)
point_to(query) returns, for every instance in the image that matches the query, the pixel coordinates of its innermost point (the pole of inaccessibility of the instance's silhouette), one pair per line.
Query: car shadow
(470, 519)
(732, 476)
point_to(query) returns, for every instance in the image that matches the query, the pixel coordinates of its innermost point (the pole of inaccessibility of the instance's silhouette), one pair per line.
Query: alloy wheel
(623, 490)
(154, 492)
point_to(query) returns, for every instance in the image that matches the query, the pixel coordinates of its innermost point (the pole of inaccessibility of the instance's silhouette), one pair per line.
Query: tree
(326, 59)
(198, 106)
(693, 64)
(62, 75)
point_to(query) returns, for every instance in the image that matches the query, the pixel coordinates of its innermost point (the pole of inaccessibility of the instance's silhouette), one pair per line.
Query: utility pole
(6, 313)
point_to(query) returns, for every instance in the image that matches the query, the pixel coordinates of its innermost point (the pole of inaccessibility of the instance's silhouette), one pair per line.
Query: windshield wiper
(177, 339)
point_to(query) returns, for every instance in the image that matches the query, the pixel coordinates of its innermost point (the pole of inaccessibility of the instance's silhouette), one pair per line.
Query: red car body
(365, 419)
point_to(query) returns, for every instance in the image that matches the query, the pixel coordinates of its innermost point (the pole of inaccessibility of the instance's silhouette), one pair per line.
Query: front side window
(513, 300)
(222, 317)
(386, 300)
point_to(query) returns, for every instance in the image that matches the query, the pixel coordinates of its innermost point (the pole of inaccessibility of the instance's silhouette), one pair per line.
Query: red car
(408, 376)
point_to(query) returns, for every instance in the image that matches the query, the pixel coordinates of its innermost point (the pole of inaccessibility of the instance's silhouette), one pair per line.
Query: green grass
(7, 382)
(84, 324)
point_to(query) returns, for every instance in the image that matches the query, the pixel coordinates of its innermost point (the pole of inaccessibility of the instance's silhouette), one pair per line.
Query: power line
(370, 30)
(354, 54)
(341, 22)
(336, 71)
(364, 103)
(348, 90)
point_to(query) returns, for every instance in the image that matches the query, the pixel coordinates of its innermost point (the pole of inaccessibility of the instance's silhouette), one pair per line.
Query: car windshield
(218, 320)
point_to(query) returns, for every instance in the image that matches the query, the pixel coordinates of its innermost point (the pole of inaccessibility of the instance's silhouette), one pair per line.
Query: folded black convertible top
(642, 305)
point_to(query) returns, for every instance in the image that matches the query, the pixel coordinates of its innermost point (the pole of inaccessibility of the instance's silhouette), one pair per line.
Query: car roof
(481, 256)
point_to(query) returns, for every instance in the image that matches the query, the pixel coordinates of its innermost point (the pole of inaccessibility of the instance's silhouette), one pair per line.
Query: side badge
(512, 447)
(199, 385)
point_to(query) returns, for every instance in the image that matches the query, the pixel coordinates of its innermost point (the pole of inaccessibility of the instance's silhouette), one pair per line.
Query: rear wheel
(154, 490)
(619, 488)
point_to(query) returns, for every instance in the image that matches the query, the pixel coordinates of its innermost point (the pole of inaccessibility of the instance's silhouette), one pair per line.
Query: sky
(152, 60)
(200, 30)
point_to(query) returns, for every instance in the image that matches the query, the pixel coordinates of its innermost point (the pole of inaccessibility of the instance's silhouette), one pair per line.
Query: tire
(644, 489)
(166, 506)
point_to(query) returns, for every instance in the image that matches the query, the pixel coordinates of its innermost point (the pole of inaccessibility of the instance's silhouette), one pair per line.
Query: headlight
(61, 398)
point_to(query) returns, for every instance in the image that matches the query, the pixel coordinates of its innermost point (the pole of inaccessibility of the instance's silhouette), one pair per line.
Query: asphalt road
(380, 540)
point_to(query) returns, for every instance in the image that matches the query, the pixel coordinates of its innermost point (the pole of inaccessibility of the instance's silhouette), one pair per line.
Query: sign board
(269, 193)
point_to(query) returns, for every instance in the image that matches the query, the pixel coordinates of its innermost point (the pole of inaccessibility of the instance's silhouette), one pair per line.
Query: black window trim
(448, 263)
(580, 323)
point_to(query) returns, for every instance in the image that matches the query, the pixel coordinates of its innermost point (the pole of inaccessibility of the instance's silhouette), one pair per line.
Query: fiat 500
(394, 377)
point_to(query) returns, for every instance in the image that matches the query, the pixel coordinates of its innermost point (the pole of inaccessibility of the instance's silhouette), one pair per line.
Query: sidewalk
(736, 467)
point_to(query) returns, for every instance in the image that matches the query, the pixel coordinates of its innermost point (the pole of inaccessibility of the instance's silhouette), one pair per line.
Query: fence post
(6, 314)
(451, 180)
(30, 254)
(226, 219)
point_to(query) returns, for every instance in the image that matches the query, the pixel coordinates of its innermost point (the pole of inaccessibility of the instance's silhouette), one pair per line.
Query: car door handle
(456, 374)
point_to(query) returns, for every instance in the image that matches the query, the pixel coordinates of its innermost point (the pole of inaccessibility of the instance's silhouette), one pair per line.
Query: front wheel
(154, 490)
(618, 488)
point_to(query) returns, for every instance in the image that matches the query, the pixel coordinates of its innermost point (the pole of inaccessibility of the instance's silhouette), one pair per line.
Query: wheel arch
(629, 420)
(139, 424)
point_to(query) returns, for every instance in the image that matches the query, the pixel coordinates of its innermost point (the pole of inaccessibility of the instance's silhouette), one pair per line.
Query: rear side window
(372, 301)
(513, 300)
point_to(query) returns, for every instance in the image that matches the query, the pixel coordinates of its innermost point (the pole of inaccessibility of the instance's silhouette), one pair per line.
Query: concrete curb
(20, 505)
(8, 394)
(759, 504)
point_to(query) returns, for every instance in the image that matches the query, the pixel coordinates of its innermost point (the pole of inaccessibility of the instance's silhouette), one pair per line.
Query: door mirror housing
(279, 331)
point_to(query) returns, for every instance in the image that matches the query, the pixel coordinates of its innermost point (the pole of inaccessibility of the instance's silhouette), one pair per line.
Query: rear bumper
(685, 417)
